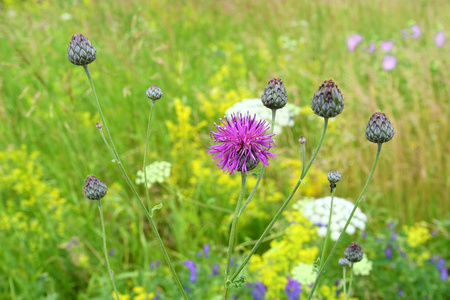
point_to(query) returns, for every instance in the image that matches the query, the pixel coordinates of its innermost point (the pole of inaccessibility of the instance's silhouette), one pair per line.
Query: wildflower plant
(240, 143)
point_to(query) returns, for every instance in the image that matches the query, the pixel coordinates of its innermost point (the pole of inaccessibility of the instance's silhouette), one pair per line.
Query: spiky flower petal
(154, 93)
(328, 101)
(242, 142)
(80, 51)
(379, 129)
(275, 95)
(354, 253)
(94, 189)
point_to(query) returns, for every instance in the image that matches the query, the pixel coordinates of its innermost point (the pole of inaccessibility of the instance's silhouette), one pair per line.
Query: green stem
(345, 284)
(286, 202)
(303, 149)
(111, 273)
(149, 130)
(327, 236)
(130, 184)
(351, 280)
(261, 173)
(361, 196)
(233, 234)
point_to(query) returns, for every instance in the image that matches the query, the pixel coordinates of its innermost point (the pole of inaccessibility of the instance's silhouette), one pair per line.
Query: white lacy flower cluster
(156, 173)
(304, 273)
(318, 212)
(285, 116)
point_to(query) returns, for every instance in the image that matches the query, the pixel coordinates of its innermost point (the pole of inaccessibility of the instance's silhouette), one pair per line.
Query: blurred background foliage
(206, 56)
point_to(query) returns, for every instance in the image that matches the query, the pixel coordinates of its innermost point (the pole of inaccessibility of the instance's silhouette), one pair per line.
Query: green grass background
(190, 48)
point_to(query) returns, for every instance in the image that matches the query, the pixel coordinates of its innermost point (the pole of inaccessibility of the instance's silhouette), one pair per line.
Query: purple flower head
(112, 252)
(439, 39)
(293, 289)
(387, 46)
(405, 33)
(258, 291)
(206, 249)
(416, 32)
(192, 270)
(353, 41)
(389, 62)
(215, 269)
(242, 143)
(443, 271)
(394, 236)
(388, 252)
(444, 274)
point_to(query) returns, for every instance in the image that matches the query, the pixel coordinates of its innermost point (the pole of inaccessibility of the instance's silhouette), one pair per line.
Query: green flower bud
(354, 253)
(80, 51)
(379, 129)
(328, 101)
(154, 93)
(275, 95)
(94, 189)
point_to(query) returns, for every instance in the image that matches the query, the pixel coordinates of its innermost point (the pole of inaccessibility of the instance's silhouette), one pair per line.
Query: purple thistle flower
(215, 269)
(439, 39)
(258, 291)
(243, 143)
(388, 252)
(192, 270)
(389, 62)
(206, 249)
(387, 46)
(353, 41)
(416, 32)
(293, 289)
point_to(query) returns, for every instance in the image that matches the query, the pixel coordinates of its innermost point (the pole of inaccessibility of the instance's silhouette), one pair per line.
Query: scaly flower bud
(334, 176)
(328, 101)
(379, 129)
(274, 96)
(343, 262)
(354, 253)
(94, 189)
(81, 52)
(154, 93)
(302, 140)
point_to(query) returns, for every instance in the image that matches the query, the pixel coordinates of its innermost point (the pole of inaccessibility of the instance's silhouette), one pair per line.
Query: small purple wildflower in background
(353, 41)
(199, 253)
(258, 291)
(215, 269)
(364, 235)
(439, 39)
(433, 233)
(443, 271)
(206, 249)
(111, 252)
(234, 296)
(391, 225)
(192, 269)
(416, 32)
(405, 33)
(338, 291)
(387, 46)
(394, 236)
(293, 289)
(400, 291)
(389, 62)
(241, 140)
(388, 252)
(231, 262)
(371, 48)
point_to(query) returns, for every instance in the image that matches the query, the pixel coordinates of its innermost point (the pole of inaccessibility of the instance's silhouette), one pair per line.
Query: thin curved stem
(233, 233)
(344, 282)
(111, 273)
(149, 130)
(130, 184)
(286, 202)
(361, 196)
(261, 173)
(327, 236)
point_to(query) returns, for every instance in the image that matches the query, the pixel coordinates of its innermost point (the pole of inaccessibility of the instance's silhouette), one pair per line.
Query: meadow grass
(206, 56)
